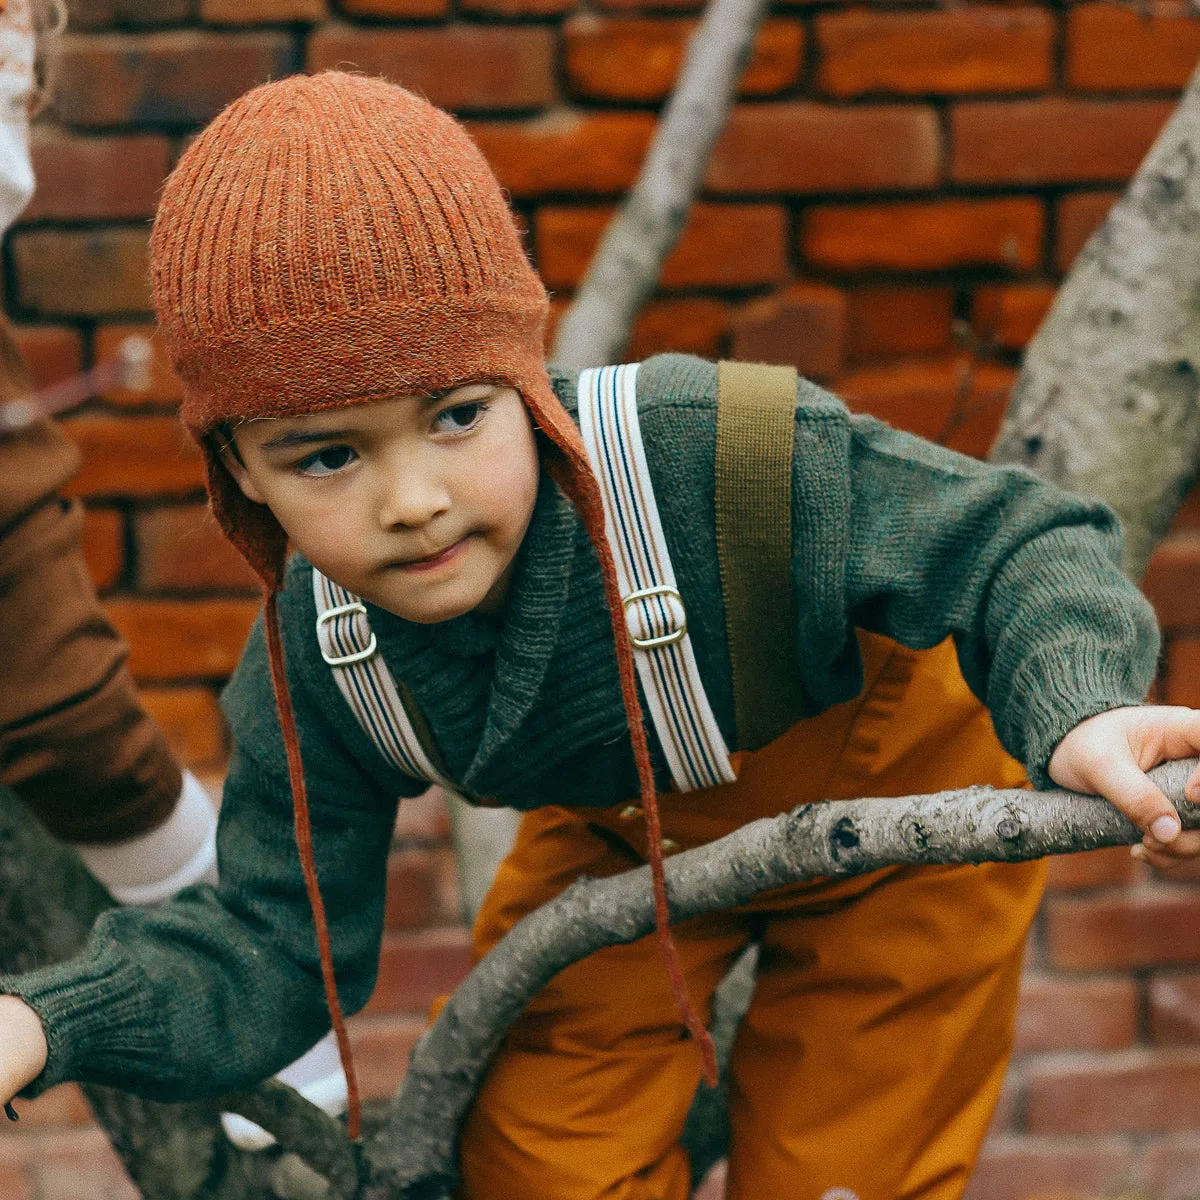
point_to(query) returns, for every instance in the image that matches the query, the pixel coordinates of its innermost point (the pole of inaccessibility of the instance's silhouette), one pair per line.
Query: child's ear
(232, 462)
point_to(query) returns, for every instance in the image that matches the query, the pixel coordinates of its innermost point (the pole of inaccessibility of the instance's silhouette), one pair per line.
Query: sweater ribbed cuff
(1055, 692)
(89, 1005)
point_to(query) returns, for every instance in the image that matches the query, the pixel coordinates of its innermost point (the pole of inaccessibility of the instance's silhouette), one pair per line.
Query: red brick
(684, 325)
(1090, 869)
(104, 546)
(1183, 671)
(422, 889)
(1175, 1007)
(97, 14)
(164, 390)
(1008, 315)
(382, 1046)
(134, 456)
(1152, 926)
(95, 178)
(178, 78)
(1073, 1014)
(802, 326)
(1004, 1116)
(1172, 581)
(886, 321)
(722, 245)
(596, 153)
(423, 820)
(50, 352)
(182, 548)
(1134, 1090)
(1079, 215)
(416, 968)
(456, 66)
(1052, 140)
(945, 399)
(401, 10)
(798, 147)
(1014, 1167)
(79, 1164)
(638, 58)
(192, 721)
(925, 235)
(688, 325)
(1110, 48)
(976, 49)
(517, 8)
(175, 639)
(76, 272)
(1187, 518)
(658, 6)
(262, 12)
(1173, 1167)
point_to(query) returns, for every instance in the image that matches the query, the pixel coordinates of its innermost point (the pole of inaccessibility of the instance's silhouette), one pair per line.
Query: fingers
(1123, 783)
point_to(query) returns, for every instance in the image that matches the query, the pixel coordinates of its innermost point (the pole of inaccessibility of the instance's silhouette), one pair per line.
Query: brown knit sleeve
(74, 742)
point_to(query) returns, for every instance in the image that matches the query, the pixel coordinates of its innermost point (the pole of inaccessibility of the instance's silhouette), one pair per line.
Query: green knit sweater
(217, 989)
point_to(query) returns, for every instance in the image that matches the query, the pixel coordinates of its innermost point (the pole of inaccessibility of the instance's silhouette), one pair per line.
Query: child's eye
(460, 418)
(326, 462)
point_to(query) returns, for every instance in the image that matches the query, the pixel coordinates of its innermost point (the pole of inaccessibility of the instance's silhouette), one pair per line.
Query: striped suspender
(349, 647)
(683, 719)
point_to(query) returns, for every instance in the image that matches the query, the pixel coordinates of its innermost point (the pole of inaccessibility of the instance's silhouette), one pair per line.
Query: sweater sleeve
(216, 990)
(1025, 577)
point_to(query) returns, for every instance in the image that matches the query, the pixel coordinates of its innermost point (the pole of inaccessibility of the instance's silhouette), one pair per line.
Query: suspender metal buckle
(344, 660)
(668, 592)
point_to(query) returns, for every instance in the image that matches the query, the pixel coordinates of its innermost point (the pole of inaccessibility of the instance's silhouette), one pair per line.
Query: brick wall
(895, 185)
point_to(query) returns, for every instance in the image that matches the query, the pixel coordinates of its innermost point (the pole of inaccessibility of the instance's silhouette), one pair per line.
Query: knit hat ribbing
(333, 239)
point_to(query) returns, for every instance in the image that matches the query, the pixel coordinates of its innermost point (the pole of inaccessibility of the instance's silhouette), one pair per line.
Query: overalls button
(630, 812)
(668, 846)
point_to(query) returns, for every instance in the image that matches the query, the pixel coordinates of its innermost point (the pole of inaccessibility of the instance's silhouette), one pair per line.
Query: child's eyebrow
(302, 437)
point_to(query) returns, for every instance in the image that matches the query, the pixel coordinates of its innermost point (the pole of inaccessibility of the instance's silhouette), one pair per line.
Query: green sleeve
(216, 990)
(1026, 577)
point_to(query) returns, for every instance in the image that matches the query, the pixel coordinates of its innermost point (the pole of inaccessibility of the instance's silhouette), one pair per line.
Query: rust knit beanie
(334, 239)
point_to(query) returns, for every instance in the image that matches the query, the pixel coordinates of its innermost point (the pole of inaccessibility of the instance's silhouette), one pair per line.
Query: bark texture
(413, 1153)
(595, 329)
(1106, 402)
(48, 904)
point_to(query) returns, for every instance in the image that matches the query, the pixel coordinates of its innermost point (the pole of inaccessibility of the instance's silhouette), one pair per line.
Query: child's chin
(430, 611)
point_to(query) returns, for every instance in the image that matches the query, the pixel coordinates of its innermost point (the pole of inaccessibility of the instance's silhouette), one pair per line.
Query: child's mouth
(433, 561)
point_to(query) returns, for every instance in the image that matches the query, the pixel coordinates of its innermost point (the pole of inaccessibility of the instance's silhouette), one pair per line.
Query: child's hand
(1109, 754)
(22, 1046)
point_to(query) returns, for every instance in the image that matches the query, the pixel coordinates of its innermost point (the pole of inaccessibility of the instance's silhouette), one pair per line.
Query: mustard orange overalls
(873, 1051)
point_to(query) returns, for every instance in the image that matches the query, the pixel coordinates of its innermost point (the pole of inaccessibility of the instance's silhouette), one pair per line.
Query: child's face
(417, 504)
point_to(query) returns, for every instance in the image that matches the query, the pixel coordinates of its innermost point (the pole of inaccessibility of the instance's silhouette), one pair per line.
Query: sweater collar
(532, 618)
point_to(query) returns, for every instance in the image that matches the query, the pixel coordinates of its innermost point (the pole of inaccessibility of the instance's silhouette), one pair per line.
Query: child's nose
(412, 499)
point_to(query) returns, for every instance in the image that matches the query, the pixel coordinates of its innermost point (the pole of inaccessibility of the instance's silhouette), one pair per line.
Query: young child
(344, 293)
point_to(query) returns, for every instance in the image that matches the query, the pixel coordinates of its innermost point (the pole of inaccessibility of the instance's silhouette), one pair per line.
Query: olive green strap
(756, 412)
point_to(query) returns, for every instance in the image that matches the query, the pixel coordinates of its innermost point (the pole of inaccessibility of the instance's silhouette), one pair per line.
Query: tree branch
(1108, 399)
(625, 269)
(413, 1155)
(48, 904)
